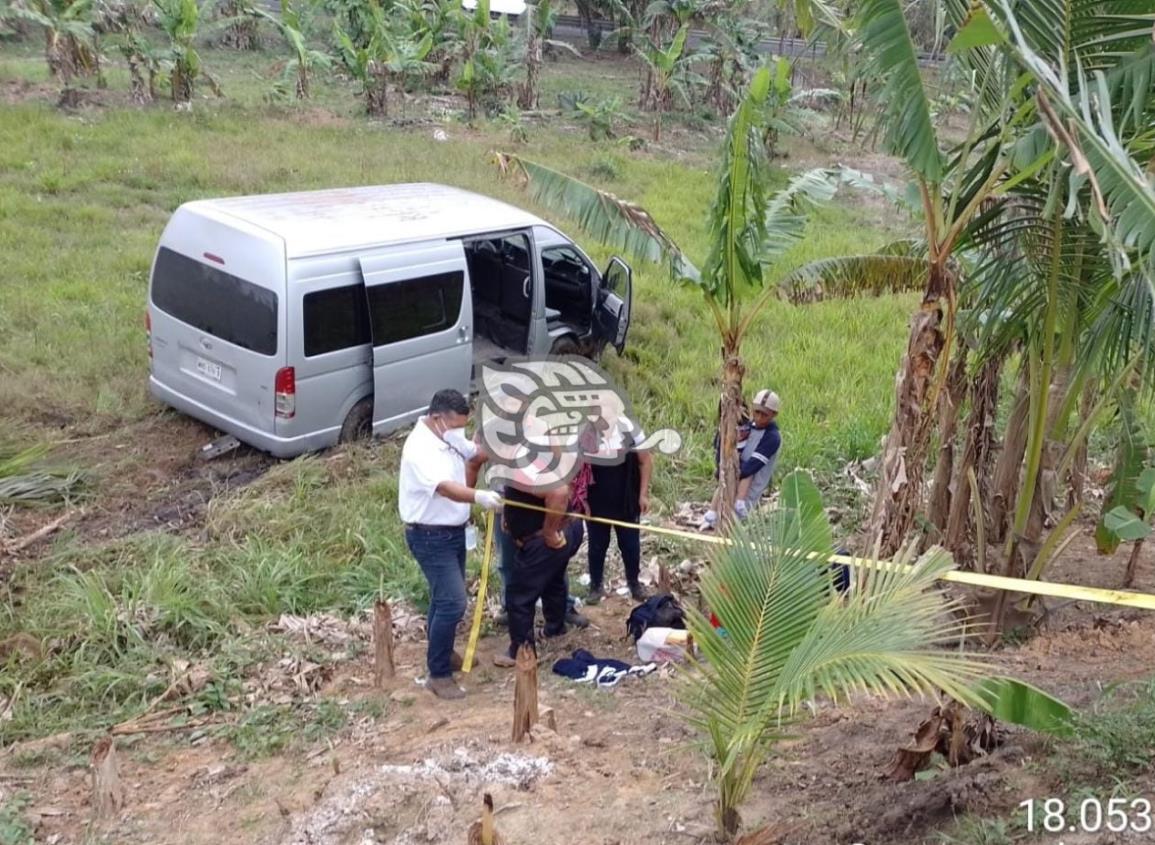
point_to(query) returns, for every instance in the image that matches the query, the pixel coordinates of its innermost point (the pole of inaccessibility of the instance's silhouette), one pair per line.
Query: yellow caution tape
(475, 630)
(1076, 592)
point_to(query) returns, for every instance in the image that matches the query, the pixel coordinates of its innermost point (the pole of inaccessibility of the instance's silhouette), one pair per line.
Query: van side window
(415, 307)
(215, 302)
(335, 319)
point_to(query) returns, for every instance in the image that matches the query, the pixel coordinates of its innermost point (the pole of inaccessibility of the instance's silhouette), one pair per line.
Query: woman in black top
(620, 492)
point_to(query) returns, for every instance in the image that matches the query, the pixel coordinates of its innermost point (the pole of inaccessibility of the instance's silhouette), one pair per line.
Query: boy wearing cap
(757, 455)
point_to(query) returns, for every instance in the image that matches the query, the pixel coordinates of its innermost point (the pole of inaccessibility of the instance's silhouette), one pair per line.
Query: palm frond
(618, 224)
(35, 488)
(767, 592)
(24, 480)
(888, 638)
(1016, 253)
(1077, 107)
(855, 275)
(787, 636)
(885, 38)
(738, 213)
(818, 14)
(1090, 33)
(786, 212)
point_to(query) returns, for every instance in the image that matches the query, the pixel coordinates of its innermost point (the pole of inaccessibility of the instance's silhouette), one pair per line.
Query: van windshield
(215, 302)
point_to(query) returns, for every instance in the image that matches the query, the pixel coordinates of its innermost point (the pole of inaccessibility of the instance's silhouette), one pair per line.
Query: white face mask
(456, 440)
(453, 436)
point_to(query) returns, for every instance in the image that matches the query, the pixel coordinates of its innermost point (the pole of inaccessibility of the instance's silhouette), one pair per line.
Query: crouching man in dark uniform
(538, 572)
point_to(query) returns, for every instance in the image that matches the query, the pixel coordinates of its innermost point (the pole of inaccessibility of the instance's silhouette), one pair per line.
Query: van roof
(339, 219)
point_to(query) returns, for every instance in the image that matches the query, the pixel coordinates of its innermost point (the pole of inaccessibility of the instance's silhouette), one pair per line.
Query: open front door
(614, 300)
(421, 316)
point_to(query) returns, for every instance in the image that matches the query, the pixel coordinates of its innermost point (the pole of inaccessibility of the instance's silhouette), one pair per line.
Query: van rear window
(415, 307)
(215, 302)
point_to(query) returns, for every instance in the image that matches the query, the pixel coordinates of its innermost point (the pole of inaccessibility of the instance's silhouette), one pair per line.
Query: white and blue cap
(766, 400)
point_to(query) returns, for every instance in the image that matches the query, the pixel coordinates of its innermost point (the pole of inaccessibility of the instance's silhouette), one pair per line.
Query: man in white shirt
(435, 490)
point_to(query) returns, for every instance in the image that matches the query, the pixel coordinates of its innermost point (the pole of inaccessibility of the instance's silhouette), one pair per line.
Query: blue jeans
(440, 552)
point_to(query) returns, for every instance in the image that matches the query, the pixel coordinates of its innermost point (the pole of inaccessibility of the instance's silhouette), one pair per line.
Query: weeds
(270, 729)
(25, 481)
(114, 618)
(1117, 736)
(14, 828)
(974, 831)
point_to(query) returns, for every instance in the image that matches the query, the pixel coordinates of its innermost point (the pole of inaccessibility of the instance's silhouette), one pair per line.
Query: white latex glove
(487, 499)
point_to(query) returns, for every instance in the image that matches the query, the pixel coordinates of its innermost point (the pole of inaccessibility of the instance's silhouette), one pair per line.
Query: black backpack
(660, 611)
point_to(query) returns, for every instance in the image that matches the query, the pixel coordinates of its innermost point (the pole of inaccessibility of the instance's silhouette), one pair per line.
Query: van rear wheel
(358, 423)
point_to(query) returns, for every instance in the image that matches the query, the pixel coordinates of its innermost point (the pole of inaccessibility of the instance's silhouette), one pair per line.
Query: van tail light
(286, 389)
(148, 332)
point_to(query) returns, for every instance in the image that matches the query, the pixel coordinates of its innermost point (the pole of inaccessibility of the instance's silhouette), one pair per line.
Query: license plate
(209, 369)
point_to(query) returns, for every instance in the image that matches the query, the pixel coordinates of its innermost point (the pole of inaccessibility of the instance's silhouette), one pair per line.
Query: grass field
(83, 199)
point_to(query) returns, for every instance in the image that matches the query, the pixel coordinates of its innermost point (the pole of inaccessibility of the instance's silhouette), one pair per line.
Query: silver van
(296, 321)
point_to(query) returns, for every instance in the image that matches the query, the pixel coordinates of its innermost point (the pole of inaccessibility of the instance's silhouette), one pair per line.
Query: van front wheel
(565, 345)
(358, 423)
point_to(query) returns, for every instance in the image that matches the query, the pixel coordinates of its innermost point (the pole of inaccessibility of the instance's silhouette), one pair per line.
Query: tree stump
(107, 790)
(382, 643)
(525, 693)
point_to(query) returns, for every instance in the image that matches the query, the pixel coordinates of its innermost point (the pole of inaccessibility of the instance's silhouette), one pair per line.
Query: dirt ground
(621, 767)
(145, 476)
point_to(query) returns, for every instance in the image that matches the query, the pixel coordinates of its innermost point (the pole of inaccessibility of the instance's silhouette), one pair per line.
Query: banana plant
(663, 63)
(540, 19)
(956, 193)
(124, 22)
(440, 19)
(732, 54)
(748, 231)
(489, 61)
(293, 24)
(597, 115)
(243, 32)
(181, 22)
(1131, 522)
(1130, 503)
(69, 37)
(393, 55)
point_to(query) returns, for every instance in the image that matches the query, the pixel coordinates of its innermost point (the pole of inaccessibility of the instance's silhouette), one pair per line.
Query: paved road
(570, 28)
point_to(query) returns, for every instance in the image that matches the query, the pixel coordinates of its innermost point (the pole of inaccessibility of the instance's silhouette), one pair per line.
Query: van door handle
(525, 288)
(463, 333)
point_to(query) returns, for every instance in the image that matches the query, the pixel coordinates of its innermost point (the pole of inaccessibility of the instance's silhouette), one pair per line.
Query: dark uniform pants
(538, 572)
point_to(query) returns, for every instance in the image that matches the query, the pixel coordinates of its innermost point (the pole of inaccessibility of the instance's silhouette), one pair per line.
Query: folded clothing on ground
(584, 668)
